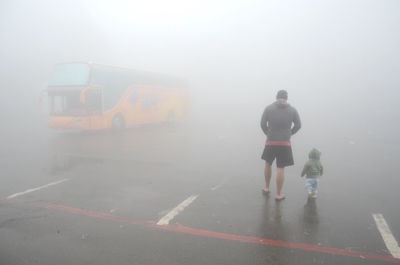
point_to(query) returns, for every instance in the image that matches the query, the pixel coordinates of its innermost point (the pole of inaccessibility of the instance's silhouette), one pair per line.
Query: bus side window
(134, 96)
(146, 102)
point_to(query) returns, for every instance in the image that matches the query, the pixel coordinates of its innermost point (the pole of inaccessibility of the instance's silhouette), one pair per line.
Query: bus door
(149, 104)
(94, 106)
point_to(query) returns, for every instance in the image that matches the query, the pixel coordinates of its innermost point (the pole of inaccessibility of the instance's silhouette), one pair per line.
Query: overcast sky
(232, 52)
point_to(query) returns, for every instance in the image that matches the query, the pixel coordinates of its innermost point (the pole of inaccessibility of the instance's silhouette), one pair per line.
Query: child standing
(312, 170)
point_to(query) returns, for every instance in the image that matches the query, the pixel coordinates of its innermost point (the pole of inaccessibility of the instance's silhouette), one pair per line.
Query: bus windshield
(71, 74)
(66, 104)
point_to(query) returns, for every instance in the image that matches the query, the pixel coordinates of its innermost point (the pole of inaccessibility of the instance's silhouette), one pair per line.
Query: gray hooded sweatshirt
(277, 120)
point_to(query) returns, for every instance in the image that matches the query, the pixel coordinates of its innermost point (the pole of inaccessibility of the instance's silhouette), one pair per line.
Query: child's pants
(311, 185)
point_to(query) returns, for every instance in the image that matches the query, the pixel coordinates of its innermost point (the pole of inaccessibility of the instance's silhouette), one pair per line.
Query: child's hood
(314, 154)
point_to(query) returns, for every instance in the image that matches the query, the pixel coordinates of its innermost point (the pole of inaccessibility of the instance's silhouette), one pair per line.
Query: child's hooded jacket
(313, 168)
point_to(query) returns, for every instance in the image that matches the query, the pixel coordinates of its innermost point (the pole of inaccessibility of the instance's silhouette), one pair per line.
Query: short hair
(282, 94)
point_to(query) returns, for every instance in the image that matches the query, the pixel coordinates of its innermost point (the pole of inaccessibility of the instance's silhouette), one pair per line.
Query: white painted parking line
(178, 209)
(115, 158)
(388, 238)
(35, 189)
(225, 179)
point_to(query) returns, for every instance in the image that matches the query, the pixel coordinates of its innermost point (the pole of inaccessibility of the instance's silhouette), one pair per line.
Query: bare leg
(280, 177)
(267, 175)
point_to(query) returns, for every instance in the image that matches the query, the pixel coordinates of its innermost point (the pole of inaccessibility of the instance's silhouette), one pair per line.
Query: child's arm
(322, 170)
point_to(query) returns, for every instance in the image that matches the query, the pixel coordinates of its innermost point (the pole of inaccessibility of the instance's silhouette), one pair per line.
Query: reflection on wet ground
(61, 163)
(145, 172)
(311, 212)
(311, 219)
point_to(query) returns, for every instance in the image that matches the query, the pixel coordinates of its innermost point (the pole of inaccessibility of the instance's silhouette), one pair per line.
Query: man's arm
(264, 122)
(296, 122)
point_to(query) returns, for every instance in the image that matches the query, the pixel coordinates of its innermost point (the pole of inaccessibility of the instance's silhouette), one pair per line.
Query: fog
(328, 51)
(338, 60)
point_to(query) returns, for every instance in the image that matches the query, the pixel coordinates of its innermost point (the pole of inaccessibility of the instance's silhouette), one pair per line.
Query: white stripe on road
(35, 189)
(388, 238)
(171, 215)
(220, 185)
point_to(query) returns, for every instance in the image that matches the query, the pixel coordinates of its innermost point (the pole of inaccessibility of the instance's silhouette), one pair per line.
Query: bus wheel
(118, 123)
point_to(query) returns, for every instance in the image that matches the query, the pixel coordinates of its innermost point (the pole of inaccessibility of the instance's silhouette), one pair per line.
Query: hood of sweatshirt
(281, 104)
(314, 154)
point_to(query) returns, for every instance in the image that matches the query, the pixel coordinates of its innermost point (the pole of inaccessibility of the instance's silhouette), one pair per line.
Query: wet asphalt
(119, 184)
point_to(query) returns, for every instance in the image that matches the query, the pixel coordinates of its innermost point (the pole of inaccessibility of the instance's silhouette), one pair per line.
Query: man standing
(276, 123)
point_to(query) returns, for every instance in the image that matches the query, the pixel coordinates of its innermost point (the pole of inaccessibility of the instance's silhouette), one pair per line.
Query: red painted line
(277, 243)
(88, 213)
(217, 235)
(78, 211)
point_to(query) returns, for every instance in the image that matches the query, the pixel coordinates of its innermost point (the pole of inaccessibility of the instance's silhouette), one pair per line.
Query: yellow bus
(89, 96)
